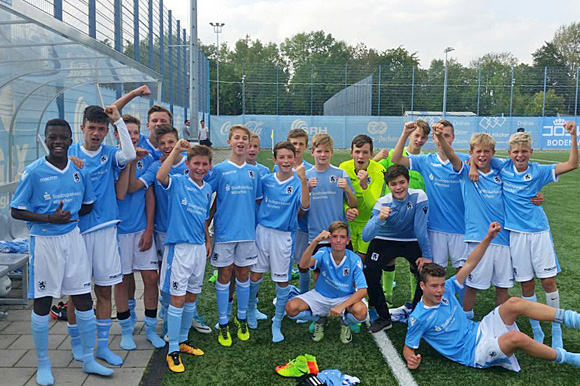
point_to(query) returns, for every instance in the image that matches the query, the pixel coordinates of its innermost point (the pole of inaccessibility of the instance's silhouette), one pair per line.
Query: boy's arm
(85, 209)
(420, 228)
(58, 217)
(127, 153)
(141, 91)
(134, 183)
(304, 192)
(397, 156)
(373, 192)
(448, 150)
(354, 298)
(163, 172)
(351, 199)
(413, 360)
(207, 238)
(477, 253)
(306, 261)
(572, 163)
(381, 155)
(373, 226)
(122, 183)
(146, 240)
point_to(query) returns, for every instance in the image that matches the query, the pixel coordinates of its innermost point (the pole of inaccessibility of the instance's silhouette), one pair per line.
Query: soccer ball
(5, 286)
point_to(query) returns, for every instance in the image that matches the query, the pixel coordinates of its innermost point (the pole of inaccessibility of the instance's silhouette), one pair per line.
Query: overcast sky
(472, 27)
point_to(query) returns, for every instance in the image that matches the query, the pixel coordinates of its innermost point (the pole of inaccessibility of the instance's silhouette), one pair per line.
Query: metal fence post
(413, 90)
(311, 90)
(576, 98)
(278, 91)
(544, 99)
(170, 59)
(178, 63)
(150, 37)
(118, 24)
(512, 92)
(243, 91)
(161, 43)
(478, 89)
(93, 18)
(136, 29)
(184, 68)
(58, 9)
(379, 94)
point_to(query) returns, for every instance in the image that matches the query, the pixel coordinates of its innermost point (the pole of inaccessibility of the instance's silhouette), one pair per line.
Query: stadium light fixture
(217, 28)
(446, 51)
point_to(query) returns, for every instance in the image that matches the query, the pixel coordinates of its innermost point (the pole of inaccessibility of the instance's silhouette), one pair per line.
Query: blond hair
(481, 139)
(241, 128)
(520, 139)
(254, 136)
(322, 140)
(336, 225)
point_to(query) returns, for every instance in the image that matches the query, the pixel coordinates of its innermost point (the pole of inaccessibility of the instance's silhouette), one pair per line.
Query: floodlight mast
(446, 51)
(217, 28)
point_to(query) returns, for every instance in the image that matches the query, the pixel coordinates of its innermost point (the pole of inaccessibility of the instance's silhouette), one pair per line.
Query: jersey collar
(237, 166)
(92, 153)
(441, 161)
(282, 182)
(57, 169)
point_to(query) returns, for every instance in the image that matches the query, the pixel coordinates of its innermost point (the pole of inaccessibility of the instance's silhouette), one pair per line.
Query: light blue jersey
(521, 214)
(132, 211)
(336, 281)
(326, 199)
(446, 210)
(237, 189)
(406, 222)
(302, 221)
(161, 198)
(263, 170)
(445, 327)
(144, 143)
(280, 203)
(103, 167)
(483, 205)
(189, 206)
(43, 186)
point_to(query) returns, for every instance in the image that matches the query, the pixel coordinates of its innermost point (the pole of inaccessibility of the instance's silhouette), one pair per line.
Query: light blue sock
(39, 326)
(103, 351)
(243, 294)
(563, 356)
(349, 318)
(252, 304)
(259, 314)
(194, 305)
(132, 304)
(164, 298)
(304, 282)
(305, 315)
(186, 320)
(461, 294)
(536, 328)
(570, 318)
(75, 342)
(282, 294)
(222, 292)
(174, 316)
(151, 332)
(87, 330)
(553, 300)
(127, 342)
(470, 314)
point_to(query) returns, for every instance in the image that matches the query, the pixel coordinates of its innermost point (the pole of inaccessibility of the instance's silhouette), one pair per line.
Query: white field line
(399, 368)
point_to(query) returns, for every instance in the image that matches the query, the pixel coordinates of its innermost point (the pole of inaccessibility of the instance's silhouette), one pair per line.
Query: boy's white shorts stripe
(320, 305)
(448, 245)
(103, 250)
(274, 253)
(59, 265)
(533, 253)
(132, 258)
(183, 268)
(240, 253)
(494, 268)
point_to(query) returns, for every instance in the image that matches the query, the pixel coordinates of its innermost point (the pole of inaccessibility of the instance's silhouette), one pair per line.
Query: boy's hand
(146, 241)
(473, 173)
(494, 229)
(113, 112)
(301, 172)
(60, 216)
(413, 361)
(351, 214)
(538, 199)
(384, 213)
(409, 128)
(570, 127)
(141, 153)
(324, 235)
(363, 178)
(79, 163)
(207, 250)
(182, 145)
(343, 184)
(382, 154)
(421, 261)
(336, 311)
(142, 91)
(312, 182)
(437, 129)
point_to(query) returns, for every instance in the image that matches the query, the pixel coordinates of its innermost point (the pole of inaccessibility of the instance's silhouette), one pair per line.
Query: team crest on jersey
(47, 196)
(184, 202)
(497, 179)
(445, 301)
(332, 179)
(409, 206)
(528, 177)
(215, 256)
(104, 158)
(369, 180)
(425, 209)
(42, 285)
(375, 256)
(186, 172)
(76, 176)
(175, 285)
(345, 271)
(431, 176)
(289, 189)
(437, 328)
(251, 173)
(412, 321)
(139, 164)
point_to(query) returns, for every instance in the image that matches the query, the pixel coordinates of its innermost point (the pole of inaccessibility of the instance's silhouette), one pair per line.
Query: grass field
(252, 363)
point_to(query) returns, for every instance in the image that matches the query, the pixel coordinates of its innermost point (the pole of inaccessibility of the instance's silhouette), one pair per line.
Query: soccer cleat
(200, 325)
(311, 327)
(187, 348)
(213, 277)
(224, 337)
(243, 330)
(312, 365)
(318, 333)
(59, 312)
(345, 334)
(355, 328)
(294, 369)
(174, 362)
(380, 324)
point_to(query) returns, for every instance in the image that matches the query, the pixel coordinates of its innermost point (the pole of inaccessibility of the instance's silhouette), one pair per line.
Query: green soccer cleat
(345, 334)
(318, 334)
(213, 277)
(294, 369)
(312, 365)
(224, 337)
(243, 330)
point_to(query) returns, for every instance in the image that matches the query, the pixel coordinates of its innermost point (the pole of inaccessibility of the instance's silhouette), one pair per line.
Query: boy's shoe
(294, 369)
(295, 274)
(318, 333)
(312, 365)
(380, 324)
(224, 337)
(200, 325)
(213, 277)
(373, 315)
(355, 328)
(243, 330)
(187, 348)
(311, 327)
(174, 362)
(59, 312)
(345, 334)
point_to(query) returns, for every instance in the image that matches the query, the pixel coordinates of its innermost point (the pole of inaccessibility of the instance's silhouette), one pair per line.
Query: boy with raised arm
(441, 322)
(51, 195)
(186, 246)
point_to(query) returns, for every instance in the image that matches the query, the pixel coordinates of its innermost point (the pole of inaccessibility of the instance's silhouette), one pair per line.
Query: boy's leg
(150, 298)
(378, 258)
(39, 324)
(245, 255)
(174, 318)
(282, 293)
(255, 283)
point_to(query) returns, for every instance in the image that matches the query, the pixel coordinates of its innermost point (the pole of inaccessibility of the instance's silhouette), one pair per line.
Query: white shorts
(240, 253)
(300, 244)
(183, 268)
(533, 253)
(495, 267)
(132, 258)
(103, 250)
(59, 265)
(445, 245)
(487, 351)
(160, 244)
(320, 305)
(274, 253)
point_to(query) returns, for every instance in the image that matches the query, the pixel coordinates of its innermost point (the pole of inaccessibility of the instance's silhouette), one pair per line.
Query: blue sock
(174, 316)
(164, 298)
(222, 293)
(194, 305)
(305, 315)
(75, 342)
(132, 304)
(553, 300)
(151, 332)
(127, 342)
(39, 326)
(470, 314)
(349, 318)
(186, 320)
(461, 294)
(536, 328)
(243, 294)
(87, 330)
(103, 351)
(304, 282)
(259, 314)
(571, 319)
(252, 304)
(563, 356)
(282, 294)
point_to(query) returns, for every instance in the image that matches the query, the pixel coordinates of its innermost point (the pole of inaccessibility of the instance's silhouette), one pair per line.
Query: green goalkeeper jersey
(416, 179)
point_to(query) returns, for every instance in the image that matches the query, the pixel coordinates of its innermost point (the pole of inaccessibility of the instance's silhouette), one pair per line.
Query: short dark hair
(432, 269)
(95, 114)
(165, 128)
(128, 118)
(446, 123)
(395, 171)
(298, 133)
(361, 140)
(56, 122)
(284, 145)
(200, 150)
(159, 109)
(520, 130)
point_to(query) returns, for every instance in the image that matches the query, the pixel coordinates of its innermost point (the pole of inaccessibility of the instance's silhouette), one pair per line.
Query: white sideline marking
(402, 374)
